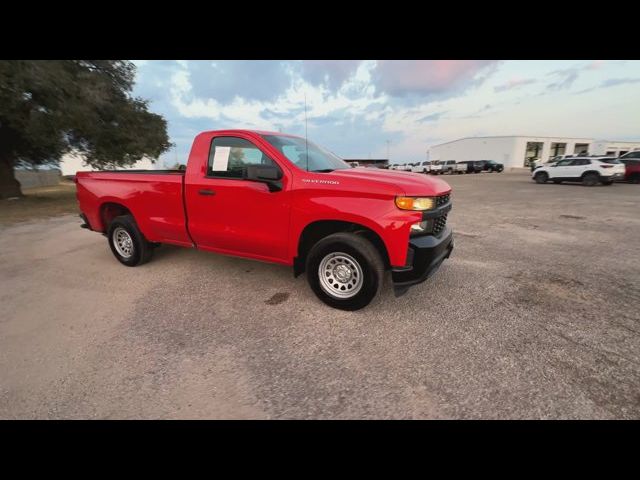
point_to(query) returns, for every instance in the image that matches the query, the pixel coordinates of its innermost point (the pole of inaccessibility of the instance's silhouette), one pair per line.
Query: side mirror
(268, 174)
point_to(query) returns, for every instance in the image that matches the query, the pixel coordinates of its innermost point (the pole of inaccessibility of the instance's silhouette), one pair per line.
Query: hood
(411, 184)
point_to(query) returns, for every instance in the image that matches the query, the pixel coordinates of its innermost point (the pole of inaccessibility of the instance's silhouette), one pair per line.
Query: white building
(615, 149)
(517, 151)
(71, 163)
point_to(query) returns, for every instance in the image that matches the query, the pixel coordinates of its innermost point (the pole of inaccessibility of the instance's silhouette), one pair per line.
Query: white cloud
(357, 111)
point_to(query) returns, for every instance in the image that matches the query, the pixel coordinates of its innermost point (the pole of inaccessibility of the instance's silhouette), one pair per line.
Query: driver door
(230, 214)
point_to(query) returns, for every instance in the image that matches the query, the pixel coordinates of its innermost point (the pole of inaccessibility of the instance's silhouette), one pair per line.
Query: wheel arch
(319, 229)
(584, 174)
(110, 210)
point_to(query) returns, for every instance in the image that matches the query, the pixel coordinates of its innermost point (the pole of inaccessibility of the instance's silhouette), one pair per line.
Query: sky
(364, 109)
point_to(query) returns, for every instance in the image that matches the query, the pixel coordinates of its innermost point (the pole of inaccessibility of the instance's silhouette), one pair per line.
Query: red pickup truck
(279, 198)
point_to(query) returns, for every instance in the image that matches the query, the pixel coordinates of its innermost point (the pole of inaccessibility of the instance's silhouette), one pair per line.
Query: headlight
(415, 203)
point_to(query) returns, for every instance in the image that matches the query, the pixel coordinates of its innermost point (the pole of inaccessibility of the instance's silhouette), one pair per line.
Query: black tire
(606, 182)
(366, 256)
(141, 250)
(635, 178)
(541, 177)
(557, 182)
(590, 179)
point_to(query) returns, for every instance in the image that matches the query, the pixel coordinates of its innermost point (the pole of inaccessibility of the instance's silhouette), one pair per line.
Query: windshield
(296, 148)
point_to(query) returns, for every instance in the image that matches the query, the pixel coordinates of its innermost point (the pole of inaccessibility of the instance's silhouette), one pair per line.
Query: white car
(421, 167)
(588, 170)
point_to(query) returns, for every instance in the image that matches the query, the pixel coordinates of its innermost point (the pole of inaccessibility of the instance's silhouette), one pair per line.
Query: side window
(564, 163)
(229, 157)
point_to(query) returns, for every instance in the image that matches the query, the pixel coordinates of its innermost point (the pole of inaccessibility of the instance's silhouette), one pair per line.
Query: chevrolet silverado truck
(278, 198)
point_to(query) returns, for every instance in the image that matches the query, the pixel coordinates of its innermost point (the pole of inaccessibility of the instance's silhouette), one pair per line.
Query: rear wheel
(590, 179)
(541, 177)
(635, 178)
(345, 271)
(127, 242)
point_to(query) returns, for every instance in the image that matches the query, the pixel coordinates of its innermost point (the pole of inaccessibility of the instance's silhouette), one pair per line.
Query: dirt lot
(39, 202)
(534, 316)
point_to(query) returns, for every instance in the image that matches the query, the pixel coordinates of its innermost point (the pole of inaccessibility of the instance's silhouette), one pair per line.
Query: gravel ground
(535, 315)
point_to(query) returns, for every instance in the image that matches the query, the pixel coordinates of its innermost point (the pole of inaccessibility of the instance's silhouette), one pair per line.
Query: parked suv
(490, 166)
(631, 167)
(588, 170)
(472, 166)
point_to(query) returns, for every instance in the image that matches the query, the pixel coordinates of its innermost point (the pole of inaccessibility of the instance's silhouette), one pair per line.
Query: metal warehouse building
(518, 151)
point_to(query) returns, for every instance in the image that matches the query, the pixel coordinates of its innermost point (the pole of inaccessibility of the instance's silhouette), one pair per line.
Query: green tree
(50, 107)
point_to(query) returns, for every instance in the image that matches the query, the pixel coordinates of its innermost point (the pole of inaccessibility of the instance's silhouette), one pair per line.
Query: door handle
(206, 191)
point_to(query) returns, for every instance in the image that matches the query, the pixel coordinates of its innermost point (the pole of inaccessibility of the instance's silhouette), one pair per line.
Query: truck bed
(154, 197)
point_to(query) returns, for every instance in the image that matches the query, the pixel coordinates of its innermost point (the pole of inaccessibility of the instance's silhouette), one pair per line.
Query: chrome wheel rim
(340, 275)
(122, 242)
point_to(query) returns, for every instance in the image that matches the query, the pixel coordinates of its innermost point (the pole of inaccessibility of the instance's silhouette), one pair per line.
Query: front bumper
(424, 257)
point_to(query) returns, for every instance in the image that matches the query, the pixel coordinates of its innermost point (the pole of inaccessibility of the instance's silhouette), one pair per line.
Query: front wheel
(345, 271)
(541, 177)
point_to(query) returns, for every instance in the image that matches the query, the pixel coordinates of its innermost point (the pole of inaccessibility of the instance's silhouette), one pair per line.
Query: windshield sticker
(221, 159)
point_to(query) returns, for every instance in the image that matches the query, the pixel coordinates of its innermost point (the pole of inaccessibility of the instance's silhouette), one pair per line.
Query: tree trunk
(9, 186)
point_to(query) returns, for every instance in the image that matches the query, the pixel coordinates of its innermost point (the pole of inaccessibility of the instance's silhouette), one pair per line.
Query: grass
(40, 202)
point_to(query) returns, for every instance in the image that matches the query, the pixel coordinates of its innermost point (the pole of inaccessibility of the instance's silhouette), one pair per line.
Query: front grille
(439, 224)
(442, 199)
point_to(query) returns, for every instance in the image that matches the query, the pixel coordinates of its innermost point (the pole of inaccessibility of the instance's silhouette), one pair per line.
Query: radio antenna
(306, 138)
